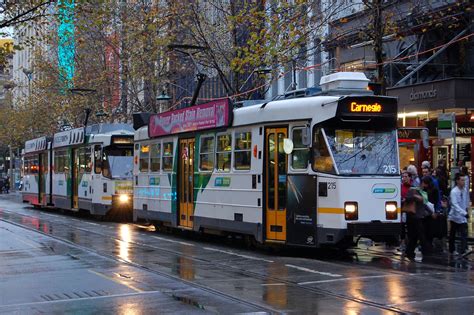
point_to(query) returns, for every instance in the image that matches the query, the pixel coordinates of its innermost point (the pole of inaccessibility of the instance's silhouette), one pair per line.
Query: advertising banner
(210, 115)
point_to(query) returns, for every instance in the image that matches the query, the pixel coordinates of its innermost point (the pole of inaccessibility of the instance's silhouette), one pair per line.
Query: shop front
(420, 105)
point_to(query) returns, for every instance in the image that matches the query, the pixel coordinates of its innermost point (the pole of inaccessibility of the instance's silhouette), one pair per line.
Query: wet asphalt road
(56, 263)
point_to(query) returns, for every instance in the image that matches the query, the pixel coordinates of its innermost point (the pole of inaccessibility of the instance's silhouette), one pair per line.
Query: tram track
(220, 266)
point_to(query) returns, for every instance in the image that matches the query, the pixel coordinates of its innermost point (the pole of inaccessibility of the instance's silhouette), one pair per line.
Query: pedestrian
(433, 203)
(405, 188)
(414, 207)
(415, 180)
(442, 175)
(7, 184)
(465, 172)
(458, 215)
(426, 172)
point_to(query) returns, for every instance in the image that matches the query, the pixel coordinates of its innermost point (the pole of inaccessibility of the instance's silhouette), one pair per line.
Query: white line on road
(335, 275)
(271, 284)
(346, 279)
(435, 300)
(235, 254)
(173, 241)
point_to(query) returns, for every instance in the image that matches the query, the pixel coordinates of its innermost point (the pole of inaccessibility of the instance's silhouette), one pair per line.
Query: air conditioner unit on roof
(344, 80)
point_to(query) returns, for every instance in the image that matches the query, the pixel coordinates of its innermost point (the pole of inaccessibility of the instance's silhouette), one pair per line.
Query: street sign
(445, 125)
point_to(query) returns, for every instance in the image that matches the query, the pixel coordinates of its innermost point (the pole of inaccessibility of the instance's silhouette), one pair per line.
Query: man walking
(458, 215)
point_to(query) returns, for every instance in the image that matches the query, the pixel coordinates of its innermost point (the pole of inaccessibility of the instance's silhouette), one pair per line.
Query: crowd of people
(4, 185)
(428, 204)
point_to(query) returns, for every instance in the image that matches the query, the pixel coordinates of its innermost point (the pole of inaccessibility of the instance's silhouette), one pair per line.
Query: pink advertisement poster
(214, 114)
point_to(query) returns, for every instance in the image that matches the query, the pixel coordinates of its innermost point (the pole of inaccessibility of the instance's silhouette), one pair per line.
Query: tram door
(75, 178)
(43, 171)
(186, 182)
(276, 181)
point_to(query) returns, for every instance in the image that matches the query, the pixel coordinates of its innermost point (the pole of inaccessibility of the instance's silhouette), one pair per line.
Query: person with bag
(432, 204)
(458, 215)
(414, 207)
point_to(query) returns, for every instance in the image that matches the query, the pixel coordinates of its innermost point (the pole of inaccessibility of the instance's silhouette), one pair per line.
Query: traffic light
(375, 87)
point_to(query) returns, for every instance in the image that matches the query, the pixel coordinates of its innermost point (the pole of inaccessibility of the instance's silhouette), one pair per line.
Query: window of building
(223, 154)
(167, 156)
(206, 154)
(242, 150)
(299, 156)
(155, 157)
(144, 158)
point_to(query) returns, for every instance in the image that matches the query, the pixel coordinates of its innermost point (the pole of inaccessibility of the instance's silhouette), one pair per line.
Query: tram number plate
(331, 185)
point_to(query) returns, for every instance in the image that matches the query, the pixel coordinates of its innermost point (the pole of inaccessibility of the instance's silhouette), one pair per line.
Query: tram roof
(286, 110)
(276, 111)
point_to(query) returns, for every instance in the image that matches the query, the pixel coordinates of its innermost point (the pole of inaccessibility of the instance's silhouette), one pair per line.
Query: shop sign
(421, 95)
(465, 129)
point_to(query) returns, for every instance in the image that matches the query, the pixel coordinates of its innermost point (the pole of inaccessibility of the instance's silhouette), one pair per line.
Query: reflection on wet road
(364, 281)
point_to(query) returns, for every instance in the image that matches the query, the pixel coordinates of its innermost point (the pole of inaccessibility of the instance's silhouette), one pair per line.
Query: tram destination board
(367, 106)
(215, 114)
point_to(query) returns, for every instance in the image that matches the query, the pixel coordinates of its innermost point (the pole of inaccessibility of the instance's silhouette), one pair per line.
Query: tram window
(82, 160)
(224, 149)
(206, 154)
(59, 161)
(88, 160)
(144, 158)
(155, 157)
(242, 148)
(322, 160)
(97, 159)
(167, 156)
(299, 156)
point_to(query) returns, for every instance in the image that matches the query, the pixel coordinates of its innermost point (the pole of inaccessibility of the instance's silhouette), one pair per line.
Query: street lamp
(162, 99)
(29, 75)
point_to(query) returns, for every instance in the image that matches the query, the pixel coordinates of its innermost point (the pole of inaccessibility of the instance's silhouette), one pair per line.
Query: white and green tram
(306, 171)
(83, 169)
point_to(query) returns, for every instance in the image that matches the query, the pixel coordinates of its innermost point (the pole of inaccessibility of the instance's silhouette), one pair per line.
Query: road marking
(82, 299)
(345, 279)
(271, 284)
(235, 254)
(335, 275)
(173, 241)
(435, 300)
(91, 223)
(115, 280)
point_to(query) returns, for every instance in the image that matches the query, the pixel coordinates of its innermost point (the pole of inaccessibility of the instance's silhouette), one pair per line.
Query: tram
(307, 171)
(81, 169)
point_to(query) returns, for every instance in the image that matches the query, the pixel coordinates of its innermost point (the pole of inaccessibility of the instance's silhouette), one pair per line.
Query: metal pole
(10, 170)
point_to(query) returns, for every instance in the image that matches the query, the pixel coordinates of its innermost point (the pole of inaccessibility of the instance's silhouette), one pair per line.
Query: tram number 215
(389, 169)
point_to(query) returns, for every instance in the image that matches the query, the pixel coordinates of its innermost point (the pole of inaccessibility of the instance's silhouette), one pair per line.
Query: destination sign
(367, 106)
(210, 115)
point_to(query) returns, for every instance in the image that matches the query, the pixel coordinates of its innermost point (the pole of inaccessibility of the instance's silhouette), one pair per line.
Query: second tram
(81, 169)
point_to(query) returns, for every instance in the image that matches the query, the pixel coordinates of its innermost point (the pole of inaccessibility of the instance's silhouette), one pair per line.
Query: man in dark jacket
(415, 229)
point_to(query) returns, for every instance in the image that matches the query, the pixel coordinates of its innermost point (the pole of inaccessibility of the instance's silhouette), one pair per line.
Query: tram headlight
(351, 210)
(391, 210)
(124, 198)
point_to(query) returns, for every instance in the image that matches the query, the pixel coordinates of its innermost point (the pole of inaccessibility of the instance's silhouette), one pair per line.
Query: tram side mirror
(425, 138)
(306, 136)
(287, 145)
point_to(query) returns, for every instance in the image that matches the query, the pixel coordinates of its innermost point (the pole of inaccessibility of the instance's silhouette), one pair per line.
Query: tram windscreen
(363, 151)
(118, 162)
